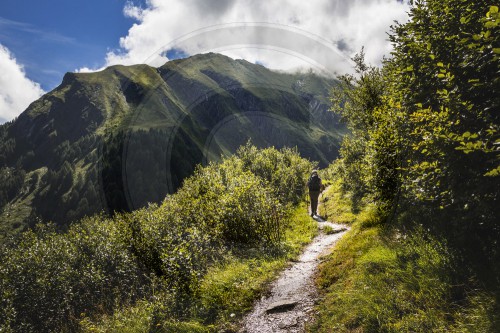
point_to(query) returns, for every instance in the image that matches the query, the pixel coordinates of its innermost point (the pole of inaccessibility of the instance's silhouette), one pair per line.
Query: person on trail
(315, 187)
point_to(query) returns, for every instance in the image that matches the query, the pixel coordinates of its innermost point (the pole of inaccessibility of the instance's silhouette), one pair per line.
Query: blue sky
(42, 40)
(56, 36)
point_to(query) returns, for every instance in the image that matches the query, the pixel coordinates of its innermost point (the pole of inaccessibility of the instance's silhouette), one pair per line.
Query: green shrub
(226, 290)
(284, 170)
(240, 208)
(52, 281)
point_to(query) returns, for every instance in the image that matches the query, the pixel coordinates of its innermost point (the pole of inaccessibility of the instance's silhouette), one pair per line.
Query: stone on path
(290, 301)
(281, 306)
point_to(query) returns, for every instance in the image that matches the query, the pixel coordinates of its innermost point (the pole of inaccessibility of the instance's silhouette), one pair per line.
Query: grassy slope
(228, 290)
(20, 208)
(381, 281)
(143, 97)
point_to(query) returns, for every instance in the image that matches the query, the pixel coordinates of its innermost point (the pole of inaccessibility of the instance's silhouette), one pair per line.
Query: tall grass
(380, 279)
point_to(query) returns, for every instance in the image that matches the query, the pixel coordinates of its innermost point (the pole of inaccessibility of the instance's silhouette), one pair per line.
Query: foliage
(447, 79)
(382, 280)
(12, 180)
(448, 82)
(425, 127)
(246, 209)
(228, 288)
(424, 150)
(231, 287)
(283, 170)
(370, 157)
(52, 280)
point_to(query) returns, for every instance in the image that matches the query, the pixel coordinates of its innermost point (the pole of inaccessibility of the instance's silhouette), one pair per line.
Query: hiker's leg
(315, 204)
(311, 200)
(314, 201)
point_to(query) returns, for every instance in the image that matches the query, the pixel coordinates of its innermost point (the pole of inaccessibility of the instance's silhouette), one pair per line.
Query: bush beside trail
(53, 281)
(381, 279)
(419, 173)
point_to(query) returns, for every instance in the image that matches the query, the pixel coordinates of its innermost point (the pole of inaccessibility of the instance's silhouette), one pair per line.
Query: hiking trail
(289, 304)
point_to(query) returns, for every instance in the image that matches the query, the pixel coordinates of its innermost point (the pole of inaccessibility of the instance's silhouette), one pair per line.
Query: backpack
(314, 183)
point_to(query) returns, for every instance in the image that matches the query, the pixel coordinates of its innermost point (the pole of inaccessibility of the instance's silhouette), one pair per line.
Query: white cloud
(133, 11)
(16, 90)
(289, 33)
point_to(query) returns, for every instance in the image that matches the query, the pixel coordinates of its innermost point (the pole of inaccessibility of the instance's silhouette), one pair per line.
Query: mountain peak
(128, 135)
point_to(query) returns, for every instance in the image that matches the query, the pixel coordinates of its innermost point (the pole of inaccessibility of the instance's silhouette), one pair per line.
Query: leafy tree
(446, 62)
(370, 157)
(425, 127)
(444, 73)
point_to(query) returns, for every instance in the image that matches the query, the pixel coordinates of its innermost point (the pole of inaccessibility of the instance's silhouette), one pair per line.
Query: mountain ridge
(127, 135)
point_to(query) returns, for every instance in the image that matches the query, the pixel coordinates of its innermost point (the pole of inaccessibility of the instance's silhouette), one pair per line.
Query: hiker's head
(314, 173)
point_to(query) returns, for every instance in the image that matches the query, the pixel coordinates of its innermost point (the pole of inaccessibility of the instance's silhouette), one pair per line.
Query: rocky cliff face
(120, 138)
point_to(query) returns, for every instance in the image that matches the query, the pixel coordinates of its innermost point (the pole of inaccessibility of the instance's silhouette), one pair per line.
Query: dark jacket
(314, 183)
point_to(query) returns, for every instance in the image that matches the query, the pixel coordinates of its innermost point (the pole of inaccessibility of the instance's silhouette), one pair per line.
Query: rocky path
(289, 304)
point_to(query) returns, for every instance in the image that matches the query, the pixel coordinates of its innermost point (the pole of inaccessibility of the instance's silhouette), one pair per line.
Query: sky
(42, 40)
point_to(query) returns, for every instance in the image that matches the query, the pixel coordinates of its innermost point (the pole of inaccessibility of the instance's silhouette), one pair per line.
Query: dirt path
(291, 299)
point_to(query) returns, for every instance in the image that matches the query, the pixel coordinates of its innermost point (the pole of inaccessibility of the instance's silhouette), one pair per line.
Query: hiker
(315, 187)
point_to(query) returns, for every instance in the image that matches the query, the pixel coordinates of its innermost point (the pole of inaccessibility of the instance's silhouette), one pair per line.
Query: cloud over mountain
(16, 90)
(342, 26)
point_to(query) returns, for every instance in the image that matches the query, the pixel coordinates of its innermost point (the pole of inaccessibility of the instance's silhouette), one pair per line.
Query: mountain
(128, 135)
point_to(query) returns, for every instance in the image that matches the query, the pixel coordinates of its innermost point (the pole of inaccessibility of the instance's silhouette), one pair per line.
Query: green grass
(226, 293)
(229, 290)
(141, 318)
(380, 280)
(335, 207)
(133, 319)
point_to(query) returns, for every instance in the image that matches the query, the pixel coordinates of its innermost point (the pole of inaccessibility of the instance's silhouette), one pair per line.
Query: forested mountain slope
(125, 136)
